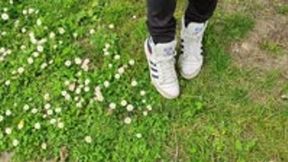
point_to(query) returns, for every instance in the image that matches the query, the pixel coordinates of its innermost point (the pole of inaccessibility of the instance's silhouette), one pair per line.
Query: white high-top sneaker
(161, 60)
(191, 60)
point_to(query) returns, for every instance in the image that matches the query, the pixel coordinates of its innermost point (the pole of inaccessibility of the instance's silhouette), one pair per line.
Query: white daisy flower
(88, 139)
(123, 103)
(106, 53)
(8, 51)
(76, 98)
(4, 16)
(86, 89)
(30, 60)
(60, 125)
(117, 76)
(143, 101)
(75, 35)
(26, 107)
(23, 30)
(22, 47)
(8, 131)
(40, 48)
(44, 65)
(67, 97)
(72, 87)
(46, 97)
(145, 113)
(7, 82)
(79, 104)
(130, 107)
(66, 82)
(121, 70)
(37, 125)
(47, 106)
(4, 33)
(68, 63)
(24, 12)
(15, 142)
(87, 81)
(61, 30)
(52, 121)
(92, 31)
(142, 93)
(106, 84)
(2, 50)
(98, 94)
(34, 111)
(64, 93)
(117, 57)
(50, 62)
(78, 90)
(31, 10)
(78, 61)
(127, 120)
(33, 40)
(149, 107)
(42, 41)
(110, 65)
(1, 118)
(85, 64)
(49, 112)
(132, 62)
(58, 110)
(112, 105)
(107, 45)
(13, 72)
(8, 112)
(139, 135)
(35, 54)
(134, 83)
(20, 70)
(20, 124)
(111, 26)
(44, 146)
(39, 22)
(134, 17)
(52, 35)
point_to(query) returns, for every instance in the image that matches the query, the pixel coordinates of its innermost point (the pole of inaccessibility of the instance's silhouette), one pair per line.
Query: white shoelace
(193, 48)
(167, 69)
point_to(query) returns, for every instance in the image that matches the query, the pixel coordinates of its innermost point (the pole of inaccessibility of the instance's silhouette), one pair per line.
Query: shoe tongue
(166, 49)
(196, 28)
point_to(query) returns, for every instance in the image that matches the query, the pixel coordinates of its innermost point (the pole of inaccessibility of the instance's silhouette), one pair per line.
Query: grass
(219, 117)
(272, 47)
(282, 9)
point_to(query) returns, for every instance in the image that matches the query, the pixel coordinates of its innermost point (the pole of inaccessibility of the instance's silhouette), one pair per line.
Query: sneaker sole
(192, 76)
(164, 94)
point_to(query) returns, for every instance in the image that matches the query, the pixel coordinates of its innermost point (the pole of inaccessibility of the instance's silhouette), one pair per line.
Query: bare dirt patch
(6, 157)
(248, 54)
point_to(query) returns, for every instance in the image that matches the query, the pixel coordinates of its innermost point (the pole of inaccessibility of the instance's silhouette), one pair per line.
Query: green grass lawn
(66, 64)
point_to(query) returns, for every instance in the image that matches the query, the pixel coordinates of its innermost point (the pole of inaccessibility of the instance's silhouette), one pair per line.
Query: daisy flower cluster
(48, 77)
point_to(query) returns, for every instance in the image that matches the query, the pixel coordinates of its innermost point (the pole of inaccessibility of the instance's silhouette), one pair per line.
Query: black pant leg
(199, 10)
(161, 21)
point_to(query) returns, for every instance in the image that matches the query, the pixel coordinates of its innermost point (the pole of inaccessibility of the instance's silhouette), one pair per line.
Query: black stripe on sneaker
(149, 48)
(155, 76)
(153, 69)
(152, 63)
